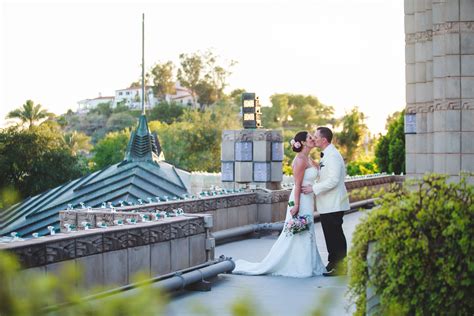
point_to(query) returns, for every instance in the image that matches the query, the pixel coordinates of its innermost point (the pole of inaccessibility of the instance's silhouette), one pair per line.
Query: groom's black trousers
(335, 239)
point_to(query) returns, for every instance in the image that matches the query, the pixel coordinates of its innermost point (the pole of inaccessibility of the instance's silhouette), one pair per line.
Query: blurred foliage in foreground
(29, 293)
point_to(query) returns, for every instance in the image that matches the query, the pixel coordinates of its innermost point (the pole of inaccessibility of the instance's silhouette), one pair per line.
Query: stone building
(439, 58)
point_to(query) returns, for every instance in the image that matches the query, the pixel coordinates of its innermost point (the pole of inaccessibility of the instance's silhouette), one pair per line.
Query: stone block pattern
(439, 63)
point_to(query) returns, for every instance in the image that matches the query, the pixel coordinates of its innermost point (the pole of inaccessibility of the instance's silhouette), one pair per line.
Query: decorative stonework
(89, 245)
(424, 107)
(447, 105)
(468, 105)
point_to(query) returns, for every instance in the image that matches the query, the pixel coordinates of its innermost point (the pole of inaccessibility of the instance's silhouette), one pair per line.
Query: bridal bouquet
(297, 225)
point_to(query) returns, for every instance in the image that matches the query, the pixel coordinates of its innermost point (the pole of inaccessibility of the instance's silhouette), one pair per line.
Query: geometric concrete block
(160, 254)
(243, 151)
(421, 123)
(453, 142)
(243, 171)
(179, 253)
(421, 144)
(264, 213)
(453, 164)
(410, 143)
(451, 11)
(227, 151)
(467, 43)
(439, 163)
(410, 161)
(466, 10)
(467, 65)
(138, 261)
(467, 142)
(453, 120)
(276, 172)
(261, 150)
(221, 219)
(453, 88)
(252, 213)
(467, 120)
(243, 215)
(467, 163)
(197, 249)
(439, 121)
(439, 66)
(233, 217)
(92, 271)
(452, 65)
(467, 87)
(227, 171)
(115, 267)
(422, 164)
(261, 171)
(452, 43)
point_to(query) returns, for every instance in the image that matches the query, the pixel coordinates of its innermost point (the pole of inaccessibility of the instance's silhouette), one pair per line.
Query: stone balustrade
(113, 255)
(228, 211)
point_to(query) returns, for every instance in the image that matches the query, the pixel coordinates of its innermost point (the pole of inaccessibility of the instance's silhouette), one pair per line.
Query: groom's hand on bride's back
(307, 189)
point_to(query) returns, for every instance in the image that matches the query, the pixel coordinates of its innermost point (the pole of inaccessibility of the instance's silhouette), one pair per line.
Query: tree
(390, 150)
(296, 111)
(104, 109)
(194, 142)
(353, 130)
(29, 113)
(166, 112)
(77, 142)
(206, 80)
(163, 82)
(190, 72)
(119, 121)
(110, 149)
(34, 160)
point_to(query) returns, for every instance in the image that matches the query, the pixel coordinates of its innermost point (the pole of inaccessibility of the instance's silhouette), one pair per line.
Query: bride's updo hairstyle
(297, 141)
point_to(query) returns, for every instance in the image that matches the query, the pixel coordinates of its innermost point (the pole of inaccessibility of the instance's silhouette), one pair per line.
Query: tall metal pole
(143, 63)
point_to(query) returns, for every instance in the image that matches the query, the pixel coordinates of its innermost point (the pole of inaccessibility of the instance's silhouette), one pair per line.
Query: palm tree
(29, 113)
(77, 142)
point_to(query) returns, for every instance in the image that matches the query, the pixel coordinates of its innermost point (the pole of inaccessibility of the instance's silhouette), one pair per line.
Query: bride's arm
(299, 167)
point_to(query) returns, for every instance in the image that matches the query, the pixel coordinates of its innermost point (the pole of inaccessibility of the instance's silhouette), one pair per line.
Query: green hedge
(425, 249)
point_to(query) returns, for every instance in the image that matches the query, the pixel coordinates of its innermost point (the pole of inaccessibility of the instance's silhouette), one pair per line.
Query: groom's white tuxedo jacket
(330, 190)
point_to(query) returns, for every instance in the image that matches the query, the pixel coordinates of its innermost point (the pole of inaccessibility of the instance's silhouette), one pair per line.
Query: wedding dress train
(292, 256)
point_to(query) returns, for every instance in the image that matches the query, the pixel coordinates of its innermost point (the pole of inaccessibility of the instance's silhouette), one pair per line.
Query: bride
(294, 255)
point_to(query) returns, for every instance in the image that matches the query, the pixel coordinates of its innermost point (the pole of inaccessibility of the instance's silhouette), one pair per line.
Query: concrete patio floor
(271, 295)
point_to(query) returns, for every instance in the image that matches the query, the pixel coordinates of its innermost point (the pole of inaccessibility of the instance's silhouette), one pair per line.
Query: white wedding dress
(292, 256)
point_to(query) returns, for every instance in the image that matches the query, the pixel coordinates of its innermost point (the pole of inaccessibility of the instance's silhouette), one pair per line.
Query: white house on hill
(86, 105)
(131, 97)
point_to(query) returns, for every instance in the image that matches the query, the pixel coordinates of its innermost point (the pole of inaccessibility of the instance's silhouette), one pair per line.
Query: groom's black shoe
(334, 272)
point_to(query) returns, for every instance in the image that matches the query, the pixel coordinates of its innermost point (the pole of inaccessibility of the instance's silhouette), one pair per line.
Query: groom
(331, 199)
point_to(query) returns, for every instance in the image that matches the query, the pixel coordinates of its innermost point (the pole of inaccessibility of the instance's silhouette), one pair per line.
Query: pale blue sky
(346, 53)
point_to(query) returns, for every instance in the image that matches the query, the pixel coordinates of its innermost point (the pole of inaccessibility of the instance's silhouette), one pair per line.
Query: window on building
(120, 93)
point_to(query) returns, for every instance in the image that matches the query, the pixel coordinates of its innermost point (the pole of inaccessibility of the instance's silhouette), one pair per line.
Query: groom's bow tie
(322, 154)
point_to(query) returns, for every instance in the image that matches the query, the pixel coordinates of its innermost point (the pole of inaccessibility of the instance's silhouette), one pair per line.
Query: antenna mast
(143, 63)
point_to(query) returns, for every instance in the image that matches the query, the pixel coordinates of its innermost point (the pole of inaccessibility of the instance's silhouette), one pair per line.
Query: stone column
(410, 139)
(467, 84)
(252, 157)
(440, 89)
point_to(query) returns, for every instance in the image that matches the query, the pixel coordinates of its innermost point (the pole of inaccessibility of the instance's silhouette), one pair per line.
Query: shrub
(425, 249)
(362, 166)
(30, 293)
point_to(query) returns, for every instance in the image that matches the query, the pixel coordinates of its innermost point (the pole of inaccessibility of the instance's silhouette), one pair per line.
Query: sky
(345, 52)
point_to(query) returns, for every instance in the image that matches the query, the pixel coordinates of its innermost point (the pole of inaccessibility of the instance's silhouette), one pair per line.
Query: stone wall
(112, 256)
(440, 86)
(228, 211)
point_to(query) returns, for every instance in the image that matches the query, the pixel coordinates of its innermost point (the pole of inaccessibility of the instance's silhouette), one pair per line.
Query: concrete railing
(228, 211)
(113, 255)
